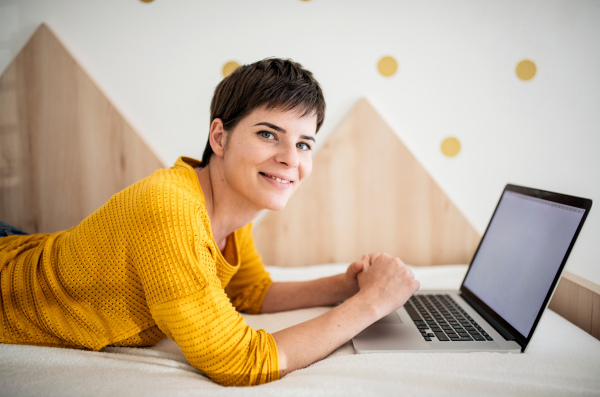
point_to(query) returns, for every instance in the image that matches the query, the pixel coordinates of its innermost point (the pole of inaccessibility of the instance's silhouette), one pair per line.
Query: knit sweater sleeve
(215, 339)
(178, 271)
(248, 287)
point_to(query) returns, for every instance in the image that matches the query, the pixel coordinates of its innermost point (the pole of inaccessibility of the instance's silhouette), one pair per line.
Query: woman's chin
(276, 205)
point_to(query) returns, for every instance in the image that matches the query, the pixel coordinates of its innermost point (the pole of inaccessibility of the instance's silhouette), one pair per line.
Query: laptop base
(398, 333)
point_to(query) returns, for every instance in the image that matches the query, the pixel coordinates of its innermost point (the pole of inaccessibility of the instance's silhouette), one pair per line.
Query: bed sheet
(561, 360)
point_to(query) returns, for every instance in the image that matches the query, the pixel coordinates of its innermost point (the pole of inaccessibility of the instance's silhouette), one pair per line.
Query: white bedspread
(561, 360)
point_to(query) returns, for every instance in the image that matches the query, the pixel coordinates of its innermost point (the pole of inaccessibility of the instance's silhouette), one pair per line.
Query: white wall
(159, 63)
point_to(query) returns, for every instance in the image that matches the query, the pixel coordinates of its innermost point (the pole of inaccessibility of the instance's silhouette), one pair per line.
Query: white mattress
(561, 360)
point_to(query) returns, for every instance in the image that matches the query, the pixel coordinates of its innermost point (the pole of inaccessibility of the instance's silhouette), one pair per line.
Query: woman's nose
(288, 155)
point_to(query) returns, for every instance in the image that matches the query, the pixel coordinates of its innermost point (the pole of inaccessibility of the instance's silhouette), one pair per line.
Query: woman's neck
(225, 211)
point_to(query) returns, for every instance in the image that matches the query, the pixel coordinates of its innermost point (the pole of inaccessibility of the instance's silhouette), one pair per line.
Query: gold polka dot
(387, 66)
(146, 1)
(229, 67)
(450, 146)
(526, 70)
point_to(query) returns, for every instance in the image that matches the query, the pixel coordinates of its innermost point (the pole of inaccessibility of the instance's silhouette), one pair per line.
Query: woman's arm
(385, 285)
(325, 291)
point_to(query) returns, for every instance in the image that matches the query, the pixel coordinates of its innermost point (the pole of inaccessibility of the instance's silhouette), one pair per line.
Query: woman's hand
(387, 282)
(351, 276)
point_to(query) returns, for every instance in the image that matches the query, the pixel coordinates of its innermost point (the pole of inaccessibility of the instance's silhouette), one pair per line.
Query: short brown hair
(276, 83)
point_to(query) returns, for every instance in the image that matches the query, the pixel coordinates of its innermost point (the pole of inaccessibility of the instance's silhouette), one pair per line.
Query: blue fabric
(9, 230)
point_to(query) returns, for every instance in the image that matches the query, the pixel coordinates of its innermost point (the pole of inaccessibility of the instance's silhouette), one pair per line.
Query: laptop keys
(439, 317)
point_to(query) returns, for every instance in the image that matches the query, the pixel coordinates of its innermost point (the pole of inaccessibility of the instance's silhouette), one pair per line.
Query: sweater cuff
(261, 296)
(274, 357)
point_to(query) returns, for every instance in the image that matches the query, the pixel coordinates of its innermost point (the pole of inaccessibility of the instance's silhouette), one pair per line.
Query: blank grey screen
(519, 257)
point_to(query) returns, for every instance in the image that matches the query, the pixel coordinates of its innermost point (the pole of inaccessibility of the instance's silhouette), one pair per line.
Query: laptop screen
(520, 255)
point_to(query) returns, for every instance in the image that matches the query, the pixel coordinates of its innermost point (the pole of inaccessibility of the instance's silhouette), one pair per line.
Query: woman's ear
(217, 137)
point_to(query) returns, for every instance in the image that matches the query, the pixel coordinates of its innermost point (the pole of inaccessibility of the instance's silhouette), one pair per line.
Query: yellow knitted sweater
(143, 266)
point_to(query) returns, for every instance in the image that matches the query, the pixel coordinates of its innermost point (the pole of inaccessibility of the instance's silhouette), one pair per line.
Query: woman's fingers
(365, 262)
(387, 281)
(358, 267)
(355, 268)
(373, 256)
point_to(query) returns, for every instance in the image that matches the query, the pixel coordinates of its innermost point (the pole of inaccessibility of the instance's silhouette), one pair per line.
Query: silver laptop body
(510, 281)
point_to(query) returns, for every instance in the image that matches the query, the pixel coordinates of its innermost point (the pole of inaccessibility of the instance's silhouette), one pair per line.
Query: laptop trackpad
(391, 318)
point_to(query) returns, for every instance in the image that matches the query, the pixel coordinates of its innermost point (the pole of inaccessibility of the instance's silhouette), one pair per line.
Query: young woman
(173, 255)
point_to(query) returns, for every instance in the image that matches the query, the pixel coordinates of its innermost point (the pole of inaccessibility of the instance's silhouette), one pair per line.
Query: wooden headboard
(64, 148)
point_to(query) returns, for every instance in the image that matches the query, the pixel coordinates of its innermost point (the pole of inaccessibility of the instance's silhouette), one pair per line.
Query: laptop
(508, 285)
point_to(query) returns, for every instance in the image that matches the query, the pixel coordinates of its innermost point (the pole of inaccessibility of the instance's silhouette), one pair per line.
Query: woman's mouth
(275, 178)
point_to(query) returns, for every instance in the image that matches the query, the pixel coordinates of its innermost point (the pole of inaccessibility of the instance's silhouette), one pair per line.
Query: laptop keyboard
(440, 317)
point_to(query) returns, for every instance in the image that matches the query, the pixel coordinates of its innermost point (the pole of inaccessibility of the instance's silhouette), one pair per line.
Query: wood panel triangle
(367, 193)
(64, 148)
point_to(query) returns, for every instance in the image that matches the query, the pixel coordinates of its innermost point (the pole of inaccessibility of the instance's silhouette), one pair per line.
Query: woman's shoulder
(165, 194)
(180, 179)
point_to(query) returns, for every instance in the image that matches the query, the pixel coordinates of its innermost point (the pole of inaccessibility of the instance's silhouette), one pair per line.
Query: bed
(561, 360)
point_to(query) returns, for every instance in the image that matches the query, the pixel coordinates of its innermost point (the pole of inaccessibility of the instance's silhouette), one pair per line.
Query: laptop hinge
(501, 330)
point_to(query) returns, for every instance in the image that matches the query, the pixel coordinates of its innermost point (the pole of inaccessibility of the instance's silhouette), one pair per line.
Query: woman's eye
(303, 146)
(267, 134)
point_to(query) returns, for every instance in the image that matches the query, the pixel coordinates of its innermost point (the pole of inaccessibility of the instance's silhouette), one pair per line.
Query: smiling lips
(285, 181)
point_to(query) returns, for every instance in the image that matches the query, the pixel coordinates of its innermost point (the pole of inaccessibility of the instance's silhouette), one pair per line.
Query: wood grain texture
(578, 300)
(64, 148)
(367, 193)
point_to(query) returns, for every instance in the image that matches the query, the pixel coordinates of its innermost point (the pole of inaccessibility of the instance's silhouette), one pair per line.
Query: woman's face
(268, 155)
